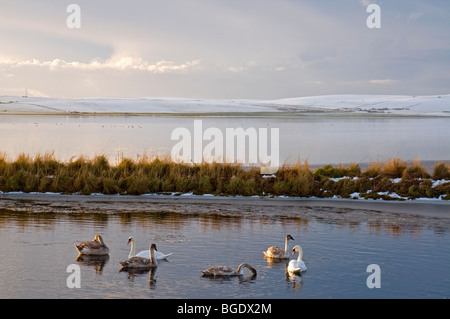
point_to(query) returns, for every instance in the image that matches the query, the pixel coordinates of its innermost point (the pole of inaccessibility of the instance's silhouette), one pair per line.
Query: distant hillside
(432, 105)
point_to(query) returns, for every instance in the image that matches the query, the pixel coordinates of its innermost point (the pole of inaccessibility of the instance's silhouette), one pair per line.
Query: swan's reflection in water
(296, 281)
(133, 273)
(241, 279)
(276, 263)
(96, 262)
(294, 278)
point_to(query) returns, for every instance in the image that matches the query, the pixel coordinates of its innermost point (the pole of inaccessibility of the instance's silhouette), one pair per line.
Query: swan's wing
(211, 271)
(144, 253)
(275, 252)
(92, 247)
(296, 266)
(136, 262)
(219, 271)
(91, 244)
(292, 267)
(302, 265)
(158, 254)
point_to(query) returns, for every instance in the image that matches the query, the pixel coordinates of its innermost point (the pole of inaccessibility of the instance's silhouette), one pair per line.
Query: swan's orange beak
(129, 240)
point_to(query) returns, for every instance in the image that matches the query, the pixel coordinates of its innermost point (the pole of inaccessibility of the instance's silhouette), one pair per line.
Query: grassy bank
(393, 179)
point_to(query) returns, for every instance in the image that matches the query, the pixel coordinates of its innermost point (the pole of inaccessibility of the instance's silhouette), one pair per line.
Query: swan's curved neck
(152, 256)
(241, 267)
(286, 246)
(100, 240)
(132, 249)
(300, 254)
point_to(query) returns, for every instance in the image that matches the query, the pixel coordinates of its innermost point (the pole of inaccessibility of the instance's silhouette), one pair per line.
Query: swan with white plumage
(296, 266)
(144, 253)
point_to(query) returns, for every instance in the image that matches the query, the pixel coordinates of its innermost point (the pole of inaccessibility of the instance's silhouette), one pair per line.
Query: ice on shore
(433, 105)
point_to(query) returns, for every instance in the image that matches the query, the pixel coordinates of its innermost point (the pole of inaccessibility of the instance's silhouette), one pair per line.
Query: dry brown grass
(43, 173)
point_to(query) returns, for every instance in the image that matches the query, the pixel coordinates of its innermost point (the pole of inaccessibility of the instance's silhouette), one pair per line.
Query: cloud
(117, 63)
(383, 82)
(365, 3)
(415, 15)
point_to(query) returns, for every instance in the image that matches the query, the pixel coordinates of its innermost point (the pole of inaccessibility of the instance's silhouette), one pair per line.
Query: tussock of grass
(44, 173)
(393, 168)
(441, 171)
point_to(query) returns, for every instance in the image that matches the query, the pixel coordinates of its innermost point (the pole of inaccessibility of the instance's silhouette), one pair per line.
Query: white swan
(141, 262)
(277, 252)
(144, 253)
(95, 247)
(296, 266)
(226, 271)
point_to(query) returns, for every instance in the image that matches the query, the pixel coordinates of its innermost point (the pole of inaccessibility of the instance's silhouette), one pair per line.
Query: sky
(252, 49)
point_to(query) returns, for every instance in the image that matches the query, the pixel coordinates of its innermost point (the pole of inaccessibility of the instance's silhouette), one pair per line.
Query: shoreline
(244, 114)
(340, 104)
(198, 204)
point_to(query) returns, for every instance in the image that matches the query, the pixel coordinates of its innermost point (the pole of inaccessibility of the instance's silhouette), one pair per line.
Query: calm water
(320, 139)
(37, 248)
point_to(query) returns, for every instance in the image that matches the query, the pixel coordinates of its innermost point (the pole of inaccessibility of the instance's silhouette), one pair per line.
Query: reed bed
(393, 179)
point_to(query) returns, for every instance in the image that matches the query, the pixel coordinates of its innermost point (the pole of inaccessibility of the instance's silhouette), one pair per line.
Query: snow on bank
(433, 105)
(354, 196)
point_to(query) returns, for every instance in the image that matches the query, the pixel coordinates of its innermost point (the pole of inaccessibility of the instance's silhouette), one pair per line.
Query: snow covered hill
(432, 105)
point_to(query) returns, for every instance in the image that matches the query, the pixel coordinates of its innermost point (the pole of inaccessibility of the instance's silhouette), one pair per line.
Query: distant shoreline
(61, 203)
(334, 105)
(331, 114)
(229, 114)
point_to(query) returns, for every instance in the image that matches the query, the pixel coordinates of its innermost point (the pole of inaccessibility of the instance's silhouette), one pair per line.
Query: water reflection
(133, 273)
(277, 263)
(95, 262)
(295, 280)
(248, 278)
(375, 222)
